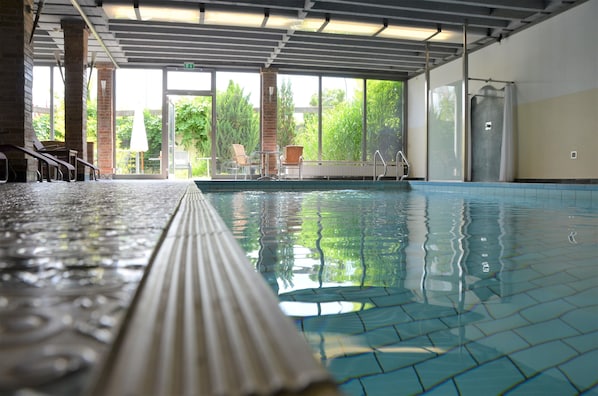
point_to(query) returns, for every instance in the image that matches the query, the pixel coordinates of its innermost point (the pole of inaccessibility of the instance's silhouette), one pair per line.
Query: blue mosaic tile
(403, 381)
(406, 353)
(502, 324)
(418, 328)
(541, 357)
(510, 306)
(583, 343)
(489, 379)
(352, 388)
(496, 345)
(345, 323)
(557, 277)
(382, 317)
(550, 382)
(584, 284)
(584, 298)
(583, 319)
(447, 388)
(378, 337)
(435, 371)
(582, 370)
(546, 311)
(350, 367)
(552, 292)
(546, 331)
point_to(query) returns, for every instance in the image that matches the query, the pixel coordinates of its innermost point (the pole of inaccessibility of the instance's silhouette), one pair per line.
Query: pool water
(409, 292)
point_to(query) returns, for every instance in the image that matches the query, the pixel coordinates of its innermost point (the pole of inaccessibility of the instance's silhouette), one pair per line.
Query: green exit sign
(189, 65)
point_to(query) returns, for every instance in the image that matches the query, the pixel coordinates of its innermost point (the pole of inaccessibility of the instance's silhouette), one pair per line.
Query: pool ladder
(400, 161)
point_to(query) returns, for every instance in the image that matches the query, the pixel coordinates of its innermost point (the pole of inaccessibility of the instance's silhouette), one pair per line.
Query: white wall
(555, 67)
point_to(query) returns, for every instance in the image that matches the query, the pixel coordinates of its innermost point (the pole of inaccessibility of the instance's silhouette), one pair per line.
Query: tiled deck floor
(71, 257)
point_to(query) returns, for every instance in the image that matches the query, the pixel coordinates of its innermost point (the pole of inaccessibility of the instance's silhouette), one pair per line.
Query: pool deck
(137, 287)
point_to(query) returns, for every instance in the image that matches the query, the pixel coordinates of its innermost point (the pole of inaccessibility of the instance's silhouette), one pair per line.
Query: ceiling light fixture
(351, 28)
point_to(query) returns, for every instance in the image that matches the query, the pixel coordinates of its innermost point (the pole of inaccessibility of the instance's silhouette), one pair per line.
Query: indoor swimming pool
(408, 292)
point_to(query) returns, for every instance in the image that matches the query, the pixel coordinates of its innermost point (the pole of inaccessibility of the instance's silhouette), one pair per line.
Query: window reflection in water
(434, 248)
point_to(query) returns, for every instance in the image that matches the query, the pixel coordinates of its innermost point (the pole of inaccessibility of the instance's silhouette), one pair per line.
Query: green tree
(193, 124)
(384, 118)
(286, 128)
(237, 122)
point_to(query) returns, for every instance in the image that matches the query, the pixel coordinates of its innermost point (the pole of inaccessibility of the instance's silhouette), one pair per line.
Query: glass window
(190, 80)
(138, 91)
(342, 119)
(42, 103)
(237, 115)
(384, 118)
(298, 113)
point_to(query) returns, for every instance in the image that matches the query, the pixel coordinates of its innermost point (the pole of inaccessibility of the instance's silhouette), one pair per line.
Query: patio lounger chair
(60, 149)
(44, 160)
(3, 168)
(243, 161)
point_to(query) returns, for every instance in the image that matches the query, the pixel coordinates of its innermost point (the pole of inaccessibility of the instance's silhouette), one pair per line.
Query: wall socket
(573, 155)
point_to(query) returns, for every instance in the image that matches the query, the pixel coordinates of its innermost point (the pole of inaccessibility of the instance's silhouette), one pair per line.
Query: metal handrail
(401, 155)
(376, 155)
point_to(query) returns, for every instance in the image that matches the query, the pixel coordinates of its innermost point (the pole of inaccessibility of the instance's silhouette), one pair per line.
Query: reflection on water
(380, 281)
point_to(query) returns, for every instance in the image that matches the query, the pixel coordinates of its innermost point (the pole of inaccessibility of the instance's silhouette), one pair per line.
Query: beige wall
(555, 67)
(551, 129)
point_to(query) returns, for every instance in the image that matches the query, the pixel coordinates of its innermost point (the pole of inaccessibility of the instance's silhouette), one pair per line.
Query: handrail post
(376, 155)
(404, 160)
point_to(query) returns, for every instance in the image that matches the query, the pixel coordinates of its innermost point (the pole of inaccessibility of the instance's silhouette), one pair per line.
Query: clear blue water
(408, 292)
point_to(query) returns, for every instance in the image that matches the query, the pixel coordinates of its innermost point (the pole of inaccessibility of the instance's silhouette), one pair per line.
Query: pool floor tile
(402, 382)
(344, 323)
(496, 326)
(435, 371)
(550, 382)
(496, 345)
(447, 388)
(546, 331)
(511, 305)
(393, 357)
(352, 388)
(382, 317)
(378, 337)
(584, 298)
(541, 357)
(345, 368)
(584, 342)
(489, 379)
(418, 328)
(545, 311)
(582, 370)
(551, 293)
(584, 319)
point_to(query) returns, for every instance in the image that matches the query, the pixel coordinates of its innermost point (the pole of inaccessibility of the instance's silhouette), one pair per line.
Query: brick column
(105, 119)
(269, 107)
(75, 90)
(16, 81)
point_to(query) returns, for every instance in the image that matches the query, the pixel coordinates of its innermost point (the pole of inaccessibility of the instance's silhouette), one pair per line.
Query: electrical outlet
(573, 155)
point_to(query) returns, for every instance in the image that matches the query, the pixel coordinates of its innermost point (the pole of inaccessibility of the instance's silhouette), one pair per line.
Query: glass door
(189, 137)
(189, 97)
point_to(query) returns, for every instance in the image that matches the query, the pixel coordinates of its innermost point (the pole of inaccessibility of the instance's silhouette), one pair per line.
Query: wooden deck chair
(292, 157)
(242, 160)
